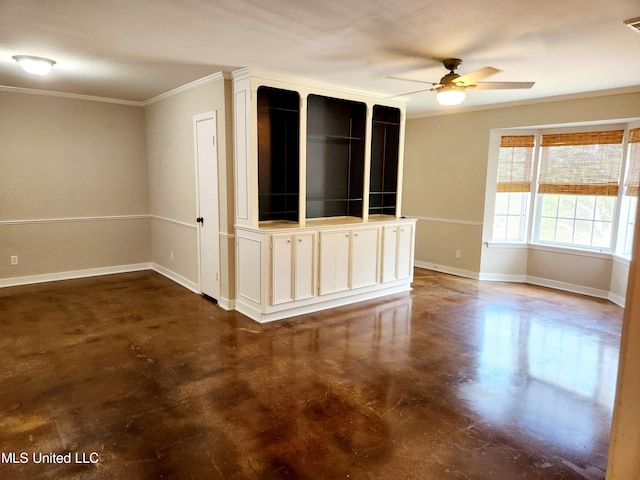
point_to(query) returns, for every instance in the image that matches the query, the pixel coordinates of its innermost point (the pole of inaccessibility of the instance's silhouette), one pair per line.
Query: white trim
(542, 282)
(91, 272)
(227, 304)
(254, 312)
(533, 101)
(617, 299)
(73, 96)
(568, 287)
(192, 226)
(621, 259)
(502, 277)
(227, 235)
(216, 77)
(73, 219)
(450, 270)
(448, 220)
(571, 251)
(513, 245)
(179, 279)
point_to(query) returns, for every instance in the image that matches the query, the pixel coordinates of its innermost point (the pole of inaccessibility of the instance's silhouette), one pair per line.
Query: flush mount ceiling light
(450, 95)
(34, 65)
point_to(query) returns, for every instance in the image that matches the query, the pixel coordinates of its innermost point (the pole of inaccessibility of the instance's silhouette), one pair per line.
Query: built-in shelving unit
(335, 157)
(318, 178)
(385, 143)
(278, 154)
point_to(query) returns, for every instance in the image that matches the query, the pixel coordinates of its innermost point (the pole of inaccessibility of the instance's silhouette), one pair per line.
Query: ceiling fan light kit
(450, 95)
(34, 65)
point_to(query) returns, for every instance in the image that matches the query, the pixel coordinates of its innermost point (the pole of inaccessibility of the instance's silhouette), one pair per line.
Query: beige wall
(73, 186)
(172, 181)
(445, 179)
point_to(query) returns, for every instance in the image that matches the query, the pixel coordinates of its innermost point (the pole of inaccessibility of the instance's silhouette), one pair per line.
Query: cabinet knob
(395, 230)
(356, 234)
(288, 241)
(299, 240)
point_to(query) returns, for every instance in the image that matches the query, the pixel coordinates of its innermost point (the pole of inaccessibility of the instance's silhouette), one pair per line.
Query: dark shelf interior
(278, 154)
(335, 157)
(385, 142)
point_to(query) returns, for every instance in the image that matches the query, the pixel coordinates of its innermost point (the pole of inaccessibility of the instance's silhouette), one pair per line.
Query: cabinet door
(404, 267)
(304, 266)
(334, 262)
(364, 257)
(281, 269)
(389, 252)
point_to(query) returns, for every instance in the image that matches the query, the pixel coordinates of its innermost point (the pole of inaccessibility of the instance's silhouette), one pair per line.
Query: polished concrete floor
(133, 377)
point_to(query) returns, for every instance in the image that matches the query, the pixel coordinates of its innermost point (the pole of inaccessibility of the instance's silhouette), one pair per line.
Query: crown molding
(215, 77)
(532, 101)
(73, 96)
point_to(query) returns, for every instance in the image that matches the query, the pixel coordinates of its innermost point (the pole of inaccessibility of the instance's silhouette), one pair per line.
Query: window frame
(533, 214)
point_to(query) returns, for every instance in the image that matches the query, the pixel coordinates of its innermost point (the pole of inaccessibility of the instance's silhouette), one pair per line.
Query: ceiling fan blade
(473, 77)
(416, 91)
(411, 80)
(502, 85)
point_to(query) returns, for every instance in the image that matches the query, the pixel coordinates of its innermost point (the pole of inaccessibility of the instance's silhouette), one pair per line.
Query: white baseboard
(617, 299)
(227, 304)
(90, 272)
(450, 270)
(319, 303)
(503, 277)
(543, 282)
(568, 287)
(179, 279)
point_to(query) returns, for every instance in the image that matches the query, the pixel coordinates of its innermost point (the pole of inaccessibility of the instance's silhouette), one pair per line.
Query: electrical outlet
(14, 259)
(458, 254)
(171, 254)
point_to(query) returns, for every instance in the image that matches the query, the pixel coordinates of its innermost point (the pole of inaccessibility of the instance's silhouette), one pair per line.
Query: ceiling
(137, 49)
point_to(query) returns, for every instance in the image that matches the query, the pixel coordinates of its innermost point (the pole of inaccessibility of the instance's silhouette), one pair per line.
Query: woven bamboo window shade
(633, 176)
(515, 163)
(581, 163)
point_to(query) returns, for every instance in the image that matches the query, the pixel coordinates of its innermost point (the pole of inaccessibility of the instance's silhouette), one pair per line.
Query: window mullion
(617, 211)
(533, 220)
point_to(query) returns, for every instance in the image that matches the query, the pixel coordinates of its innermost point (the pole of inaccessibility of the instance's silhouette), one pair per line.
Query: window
(566, 190)
(578, 188)
(515, 167)
(632, 189)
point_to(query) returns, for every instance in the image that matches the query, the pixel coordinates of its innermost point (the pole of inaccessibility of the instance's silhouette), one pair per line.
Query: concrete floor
(458, 380)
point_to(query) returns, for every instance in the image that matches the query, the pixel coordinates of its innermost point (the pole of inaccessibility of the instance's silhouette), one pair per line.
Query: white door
(207, 182)
(304, 269)
(364, 257)
(282, 269)
(389, 252)
(334, 262)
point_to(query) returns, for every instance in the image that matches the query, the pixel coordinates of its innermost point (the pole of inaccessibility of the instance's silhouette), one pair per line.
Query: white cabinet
(291, 270)
(282, 275)
(397, 252)
(364, 257)
(348, 259)
(334, 261)
(292, 267)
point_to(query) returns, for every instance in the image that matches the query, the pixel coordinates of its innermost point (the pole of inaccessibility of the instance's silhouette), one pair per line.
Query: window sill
(582, 252)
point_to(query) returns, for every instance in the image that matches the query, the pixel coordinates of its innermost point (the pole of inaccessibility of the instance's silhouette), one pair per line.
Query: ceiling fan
(451, 88)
